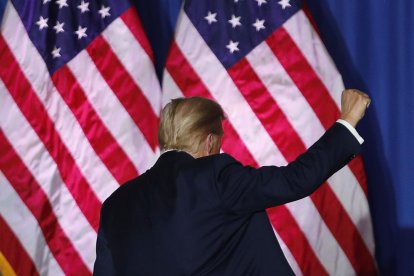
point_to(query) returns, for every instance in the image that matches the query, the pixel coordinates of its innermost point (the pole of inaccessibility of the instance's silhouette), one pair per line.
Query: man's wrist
(353, 122)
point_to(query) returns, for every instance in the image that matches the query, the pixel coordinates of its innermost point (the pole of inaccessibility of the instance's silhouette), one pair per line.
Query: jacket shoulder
(218, 160)
(123, 193)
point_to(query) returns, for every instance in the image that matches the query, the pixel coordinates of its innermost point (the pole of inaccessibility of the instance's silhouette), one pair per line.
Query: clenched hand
(354, 103)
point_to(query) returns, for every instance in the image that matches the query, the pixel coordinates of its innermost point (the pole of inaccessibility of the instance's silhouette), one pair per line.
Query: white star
(104, 11)
(62, 3)
(211, 17)
(56, 52)
(235, 21)
(84, 6)
(81, 32)
(260, 2)
(233, 46)
(46, 1)
(42, 22)
(59, 27)
(259, 24)
(284, 3)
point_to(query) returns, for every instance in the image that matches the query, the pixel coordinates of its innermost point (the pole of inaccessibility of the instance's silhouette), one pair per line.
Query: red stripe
(233, 145)
(302, 74)
(308, 14)
(267, 110)
(14, 252)
(36, 114)
(104, 144)
(358, 169)
(131, 19)
(291, 234)
(344, 230)
(36, 200)
(291, 146)
(310, 85)
(191, 85)
(124, 87)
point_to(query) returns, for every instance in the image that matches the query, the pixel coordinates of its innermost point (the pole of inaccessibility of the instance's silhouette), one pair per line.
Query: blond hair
(186, 122)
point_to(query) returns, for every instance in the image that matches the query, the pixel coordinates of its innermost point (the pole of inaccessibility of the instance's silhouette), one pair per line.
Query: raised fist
(354, 103)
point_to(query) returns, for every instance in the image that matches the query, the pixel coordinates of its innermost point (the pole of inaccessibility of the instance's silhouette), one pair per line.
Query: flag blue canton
(60, 29)
(2, 6)
(233, 28)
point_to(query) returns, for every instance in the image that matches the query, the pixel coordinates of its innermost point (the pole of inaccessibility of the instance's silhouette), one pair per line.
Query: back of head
(186, 122)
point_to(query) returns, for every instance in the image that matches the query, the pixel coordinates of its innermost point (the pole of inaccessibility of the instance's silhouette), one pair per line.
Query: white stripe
(171, 90)
(222, 88)
(36, 157)
(286, 251)
(34, 68)
(308, 127)
(26, 229)
(135, 60)
(311, 46)
(212, 73)
(112, 112)
(320, 238)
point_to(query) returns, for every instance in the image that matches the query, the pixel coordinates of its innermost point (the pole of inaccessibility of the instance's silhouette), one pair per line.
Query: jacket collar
(174, 157)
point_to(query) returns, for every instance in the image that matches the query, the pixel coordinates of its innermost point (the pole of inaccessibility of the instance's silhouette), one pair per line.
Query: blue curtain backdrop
(372, 43)
(2, 6)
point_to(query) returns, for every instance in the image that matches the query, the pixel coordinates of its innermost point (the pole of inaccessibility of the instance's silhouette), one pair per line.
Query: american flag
(80, 104)
(264, 63)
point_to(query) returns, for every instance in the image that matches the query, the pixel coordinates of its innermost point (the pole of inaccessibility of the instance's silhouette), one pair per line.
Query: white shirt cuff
(352, 130)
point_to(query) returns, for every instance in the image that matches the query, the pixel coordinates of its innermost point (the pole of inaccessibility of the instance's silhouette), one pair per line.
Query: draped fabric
(2, 6)
(80, 108)
(371, 43)
(266, 66)
(80, 104)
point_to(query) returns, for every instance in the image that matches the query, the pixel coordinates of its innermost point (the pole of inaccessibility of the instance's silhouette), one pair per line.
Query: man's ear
(214, 143)
(210, 143)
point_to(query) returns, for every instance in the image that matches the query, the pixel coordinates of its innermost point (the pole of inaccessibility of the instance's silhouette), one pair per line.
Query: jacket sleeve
(245, 189)
(104, 264)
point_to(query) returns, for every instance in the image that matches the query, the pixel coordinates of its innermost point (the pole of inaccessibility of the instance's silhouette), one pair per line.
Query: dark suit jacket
(207, 216)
